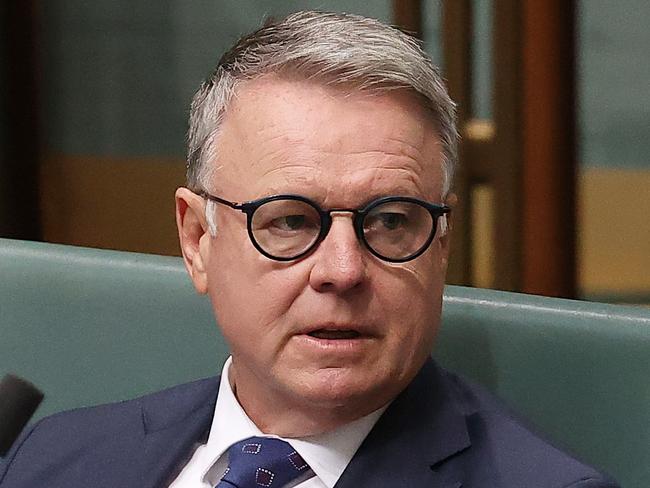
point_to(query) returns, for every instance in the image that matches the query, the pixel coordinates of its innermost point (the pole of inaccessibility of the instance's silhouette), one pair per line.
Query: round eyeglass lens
(397, 230)
(285, 228)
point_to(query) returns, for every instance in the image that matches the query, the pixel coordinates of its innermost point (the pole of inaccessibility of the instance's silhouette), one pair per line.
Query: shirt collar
(327, 454)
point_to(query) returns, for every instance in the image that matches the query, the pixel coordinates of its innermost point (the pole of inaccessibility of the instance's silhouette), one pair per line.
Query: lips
(335, 334)
(343, 331)
(334, 342)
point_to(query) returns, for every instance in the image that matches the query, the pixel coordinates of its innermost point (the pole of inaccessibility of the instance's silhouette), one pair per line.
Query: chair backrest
(579, 371)
(91, 326)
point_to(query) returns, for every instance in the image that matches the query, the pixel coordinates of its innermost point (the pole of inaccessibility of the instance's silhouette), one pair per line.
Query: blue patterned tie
(262, 462)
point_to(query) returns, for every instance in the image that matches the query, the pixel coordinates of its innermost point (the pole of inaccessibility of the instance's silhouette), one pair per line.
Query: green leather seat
(89, 326)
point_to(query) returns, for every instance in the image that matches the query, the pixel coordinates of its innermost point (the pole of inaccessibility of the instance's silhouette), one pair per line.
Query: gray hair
(335, 49)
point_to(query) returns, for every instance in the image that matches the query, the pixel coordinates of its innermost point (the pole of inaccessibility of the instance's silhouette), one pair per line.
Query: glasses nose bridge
(356, 218)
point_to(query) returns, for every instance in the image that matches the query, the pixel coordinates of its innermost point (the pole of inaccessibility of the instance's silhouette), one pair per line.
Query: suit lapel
(174, 427)
(421, 431)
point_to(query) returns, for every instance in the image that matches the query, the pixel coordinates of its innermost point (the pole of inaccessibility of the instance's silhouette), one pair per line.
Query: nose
(339, 261)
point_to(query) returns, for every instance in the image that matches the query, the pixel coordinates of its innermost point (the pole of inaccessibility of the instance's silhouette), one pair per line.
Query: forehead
(288, 136)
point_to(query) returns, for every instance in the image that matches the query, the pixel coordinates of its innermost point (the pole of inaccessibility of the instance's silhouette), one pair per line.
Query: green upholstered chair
(90, 326)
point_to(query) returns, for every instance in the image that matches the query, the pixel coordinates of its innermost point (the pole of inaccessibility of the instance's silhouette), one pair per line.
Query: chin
(345, 389)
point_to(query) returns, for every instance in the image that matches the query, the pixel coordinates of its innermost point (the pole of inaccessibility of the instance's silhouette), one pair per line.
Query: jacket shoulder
(69, 439)
(510, 449)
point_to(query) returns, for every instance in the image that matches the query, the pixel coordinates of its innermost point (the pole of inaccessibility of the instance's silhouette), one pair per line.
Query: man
(321, 153)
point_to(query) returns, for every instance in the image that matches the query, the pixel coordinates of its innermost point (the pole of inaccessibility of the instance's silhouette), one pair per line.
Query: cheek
(415, 302)
(416, 320)
(253, 296)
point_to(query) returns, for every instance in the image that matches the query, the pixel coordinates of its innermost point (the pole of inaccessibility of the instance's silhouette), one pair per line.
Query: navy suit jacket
(441, 432)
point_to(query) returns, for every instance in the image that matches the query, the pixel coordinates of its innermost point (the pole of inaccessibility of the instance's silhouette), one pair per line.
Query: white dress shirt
(327, 454)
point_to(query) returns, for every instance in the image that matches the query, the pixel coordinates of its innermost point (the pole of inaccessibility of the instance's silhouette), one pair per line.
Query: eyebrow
(376, 195)
(400, 188)
(401, 191)
(317, 193)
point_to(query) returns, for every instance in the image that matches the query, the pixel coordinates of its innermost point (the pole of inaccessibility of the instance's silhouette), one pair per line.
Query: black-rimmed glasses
(288, 227)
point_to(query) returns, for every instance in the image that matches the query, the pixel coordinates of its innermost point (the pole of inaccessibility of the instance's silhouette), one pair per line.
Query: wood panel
(507, 151)
(19, 102)
(549, 154)
(614, 233)
(456, 39)
(407, 15)
(125, 204)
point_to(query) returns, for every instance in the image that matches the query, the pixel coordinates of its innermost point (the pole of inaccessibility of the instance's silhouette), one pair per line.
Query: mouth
(336, 341)
(334, 334)
(331, 331)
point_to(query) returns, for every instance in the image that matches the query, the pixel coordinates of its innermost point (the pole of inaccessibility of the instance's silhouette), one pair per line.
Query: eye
(286, 218)
(386, 221)
(392, 220)
(289, 222)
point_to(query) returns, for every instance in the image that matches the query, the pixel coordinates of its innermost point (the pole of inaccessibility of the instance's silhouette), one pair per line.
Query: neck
(272, 414)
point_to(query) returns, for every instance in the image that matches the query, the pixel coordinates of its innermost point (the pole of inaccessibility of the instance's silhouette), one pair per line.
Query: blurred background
(554, 107)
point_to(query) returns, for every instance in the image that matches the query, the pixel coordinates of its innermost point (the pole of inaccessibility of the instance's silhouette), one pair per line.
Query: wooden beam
(19, 168)
(407, 15)
(457, 41)
(507, 152)
(549, 173)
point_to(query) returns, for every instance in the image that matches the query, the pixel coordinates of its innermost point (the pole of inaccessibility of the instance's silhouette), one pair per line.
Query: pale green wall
(119, 74)
(614, 83)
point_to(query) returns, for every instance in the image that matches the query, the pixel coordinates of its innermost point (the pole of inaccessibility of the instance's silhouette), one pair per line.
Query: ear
(451, 201)
(445, 240)
(192, 231)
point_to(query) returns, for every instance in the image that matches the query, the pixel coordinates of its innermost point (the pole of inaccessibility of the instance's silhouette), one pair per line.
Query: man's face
(341, 150)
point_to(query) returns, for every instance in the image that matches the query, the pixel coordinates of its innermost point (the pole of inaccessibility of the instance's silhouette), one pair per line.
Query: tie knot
(262, 462)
